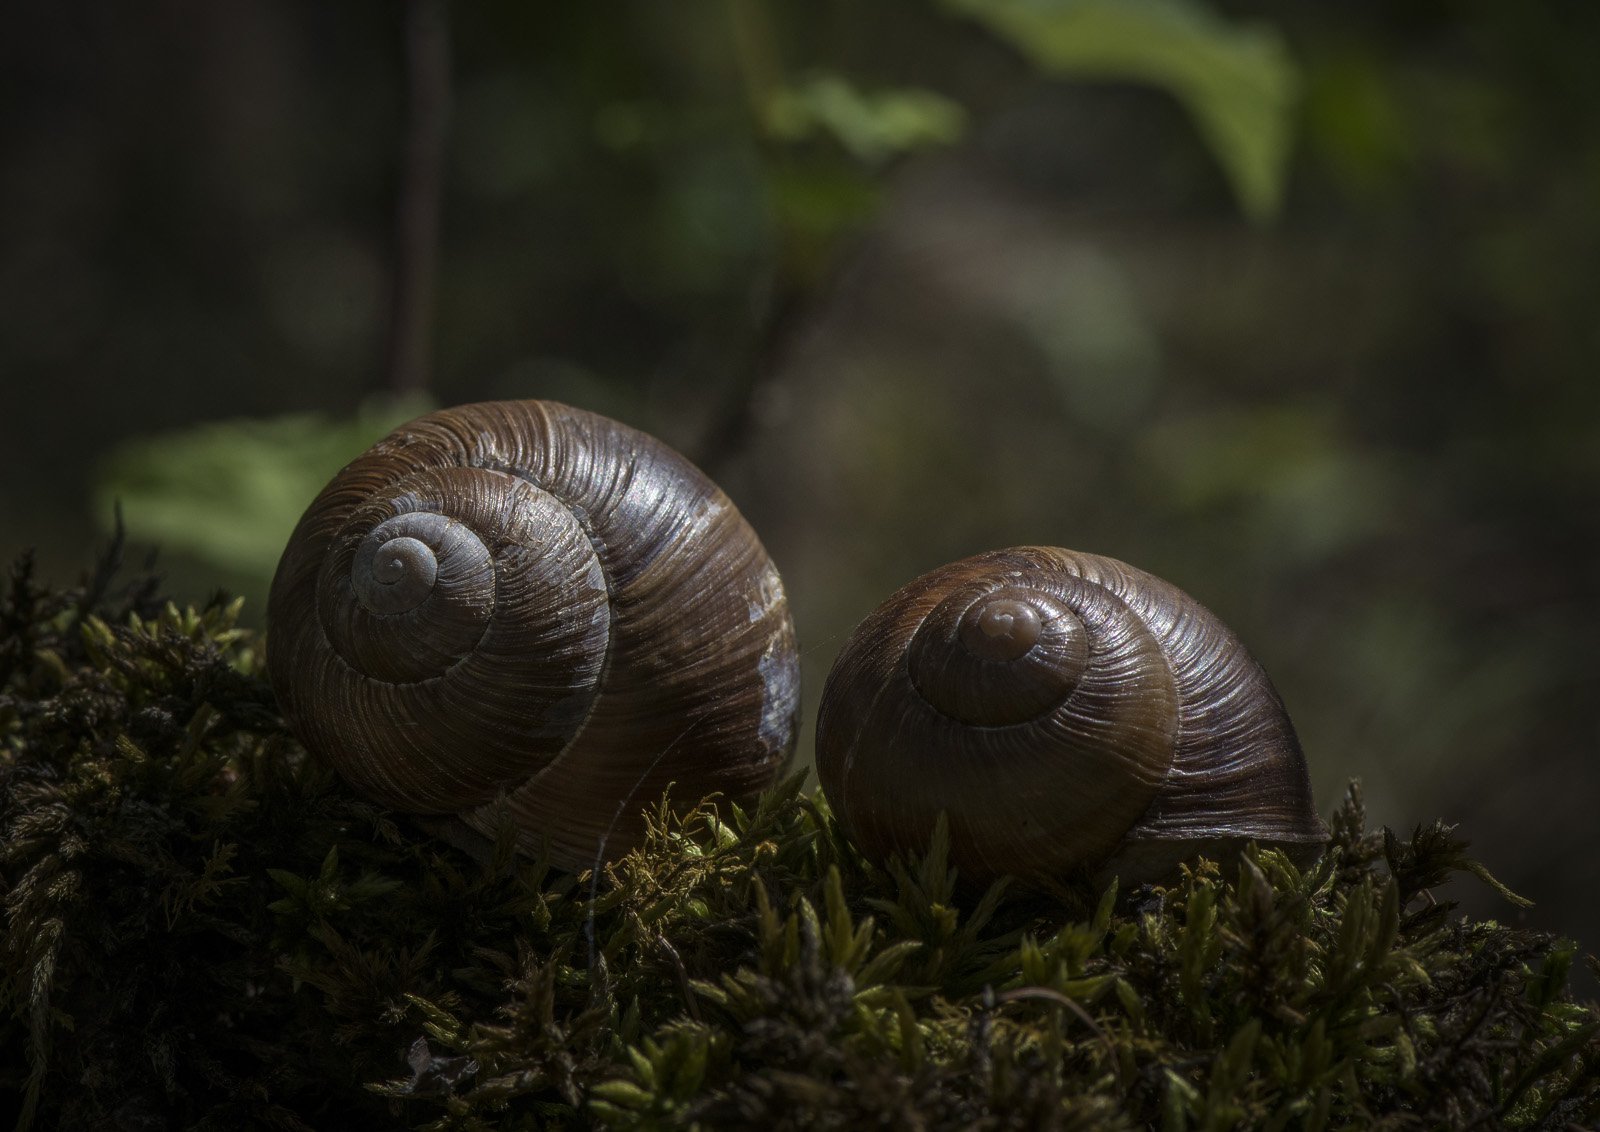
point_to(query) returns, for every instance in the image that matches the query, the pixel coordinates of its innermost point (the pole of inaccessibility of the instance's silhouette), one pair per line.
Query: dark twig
(735, 416)
(416, 248)
(664, 945)
(780, 306)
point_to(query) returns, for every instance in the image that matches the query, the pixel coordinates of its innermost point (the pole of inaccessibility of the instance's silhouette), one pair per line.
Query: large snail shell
(1067, 712)
(526, 599)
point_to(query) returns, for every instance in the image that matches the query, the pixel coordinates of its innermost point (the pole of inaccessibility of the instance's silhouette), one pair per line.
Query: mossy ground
(206, 929)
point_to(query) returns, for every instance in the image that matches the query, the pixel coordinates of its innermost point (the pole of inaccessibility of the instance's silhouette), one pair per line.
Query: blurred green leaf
(872, 127)
(1237, 80)
(230, 492)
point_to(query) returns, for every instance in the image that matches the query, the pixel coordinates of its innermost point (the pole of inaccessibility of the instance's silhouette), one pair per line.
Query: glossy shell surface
(1066, 712)
(525, 600)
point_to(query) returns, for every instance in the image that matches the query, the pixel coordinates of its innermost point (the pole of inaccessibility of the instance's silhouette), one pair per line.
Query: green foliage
(230, 492)
(1238, 81)
(872, 127)
(206, 928)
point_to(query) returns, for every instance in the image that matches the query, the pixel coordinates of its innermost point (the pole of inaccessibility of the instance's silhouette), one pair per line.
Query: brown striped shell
(521, 598)
(1068, 713)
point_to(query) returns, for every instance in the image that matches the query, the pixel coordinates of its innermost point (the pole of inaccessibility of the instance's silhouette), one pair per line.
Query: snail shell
(1067, 712)
(521, 598)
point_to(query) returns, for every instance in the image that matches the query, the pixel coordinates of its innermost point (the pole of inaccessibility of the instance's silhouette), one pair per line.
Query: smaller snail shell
(1066, 712)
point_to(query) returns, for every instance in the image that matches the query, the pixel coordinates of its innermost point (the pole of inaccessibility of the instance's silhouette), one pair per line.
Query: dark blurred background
(1296, 307)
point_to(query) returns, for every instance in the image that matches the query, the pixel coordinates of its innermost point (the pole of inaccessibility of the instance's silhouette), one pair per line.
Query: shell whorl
(526, 599)
(1064, 711)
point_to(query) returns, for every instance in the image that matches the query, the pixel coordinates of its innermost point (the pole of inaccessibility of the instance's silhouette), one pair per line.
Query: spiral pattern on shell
(529, 600)
(1066, 712)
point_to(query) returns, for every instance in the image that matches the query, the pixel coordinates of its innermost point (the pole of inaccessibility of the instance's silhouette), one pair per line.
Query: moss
(204, 928)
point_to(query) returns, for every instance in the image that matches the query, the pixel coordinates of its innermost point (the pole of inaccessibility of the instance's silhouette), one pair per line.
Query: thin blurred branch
(756, 52)
(785, 307)
(416, 249)
(780, 305)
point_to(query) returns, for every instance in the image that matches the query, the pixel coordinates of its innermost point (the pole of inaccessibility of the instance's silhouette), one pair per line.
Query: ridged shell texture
(1066, 712)
(527, 599)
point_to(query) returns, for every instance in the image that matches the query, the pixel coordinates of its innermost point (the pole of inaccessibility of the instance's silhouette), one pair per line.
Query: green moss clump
(206, 929)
